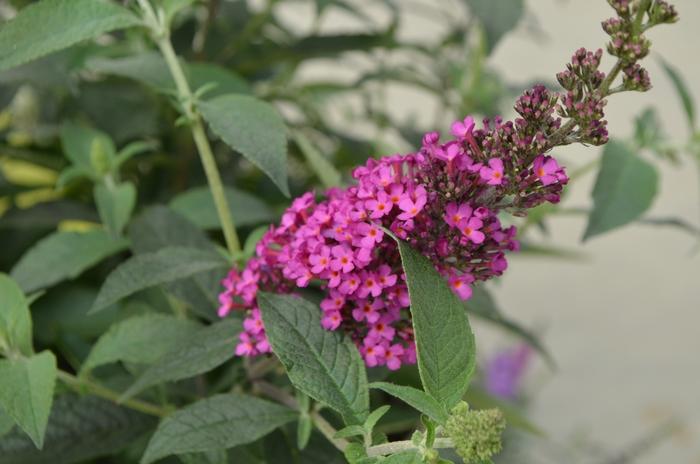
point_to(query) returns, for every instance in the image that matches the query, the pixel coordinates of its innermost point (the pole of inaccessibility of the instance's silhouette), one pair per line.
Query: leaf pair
(28, 379)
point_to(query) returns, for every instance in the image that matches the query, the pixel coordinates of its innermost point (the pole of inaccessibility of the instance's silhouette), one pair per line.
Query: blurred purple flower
(505, 371)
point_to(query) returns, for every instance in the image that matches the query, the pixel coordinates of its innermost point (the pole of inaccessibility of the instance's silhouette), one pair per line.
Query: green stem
(398, 446)
(328, 431)
(643, 7)
(83, 385)
(161, 36)
(281, 396)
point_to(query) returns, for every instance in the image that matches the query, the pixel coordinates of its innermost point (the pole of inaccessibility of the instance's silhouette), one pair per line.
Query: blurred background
(619, 313)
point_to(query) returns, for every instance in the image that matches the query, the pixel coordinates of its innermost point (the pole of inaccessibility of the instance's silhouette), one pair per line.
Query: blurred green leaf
(115, 205)
(483, 306)
(151, 269)
(205, 350)
(497, 17)
(80, 143)
(172, 7)
(216, 456)
(304, 429)
(63, 255)
(417, 399)
(62, 312)
(682, 91)
(197, 205)
(26, 392)
(159, 227)
(141, 339)
(125, 111)
(322, 364)
(80, 428)
(324, 169)
(624, 189)
(222, 421)
(51, 25)
(131, 150)
(253, 128)
(444, 340)
(15, 319)
(6, 424)
(647, 129)
(405, 457)
(150, 68)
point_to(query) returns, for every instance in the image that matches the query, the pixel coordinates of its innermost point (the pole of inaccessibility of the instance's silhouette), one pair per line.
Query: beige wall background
(624, 325)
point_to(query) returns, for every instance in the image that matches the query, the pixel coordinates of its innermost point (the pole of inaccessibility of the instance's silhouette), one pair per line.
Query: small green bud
(355, 453)
(475, 434)
(100, 156)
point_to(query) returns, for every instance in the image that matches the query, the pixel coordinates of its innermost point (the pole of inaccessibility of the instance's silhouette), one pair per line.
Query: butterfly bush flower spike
(446, 200)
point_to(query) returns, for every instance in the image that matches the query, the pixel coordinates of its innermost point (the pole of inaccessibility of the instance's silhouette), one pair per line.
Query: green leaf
(150, 68)
(647, 130)
(15, 319)
(482, 305)
(324, 169)
(160, 227)
(324, 365)
(624, 189)
(205, 350)
(71, 174)
(115, 205)
(47, 215)
(26, 392)
(63, 255)
(197, 205)
(80, 429)
(304, 429)
(151, 269)
(131, 150)
(218, 456)
(406, 457)
(417, 399)
(227, 82)
(350, 431)
(6, 424)
(222, 421)
(253, 128)
(140, 339)
(83, 146)
(682, 91)
(374, 417)
(51, 25)
(172, 7)
(444, 340)
(497, 18)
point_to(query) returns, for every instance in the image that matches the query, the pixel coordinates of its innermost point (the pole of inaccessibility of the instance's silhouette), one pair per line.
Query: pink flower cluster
(444, 200)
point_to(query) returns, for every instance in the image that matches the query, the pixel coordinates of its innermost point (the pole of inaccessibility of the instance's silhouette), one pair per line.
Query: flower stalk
(81, 385)
(161, 35)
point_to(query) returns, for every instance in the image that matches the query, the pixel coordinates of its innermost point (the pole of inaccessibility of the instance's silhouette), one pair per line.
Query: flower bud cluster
(582, 101)
(476, 434)
(636, 78)
(661, 12)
